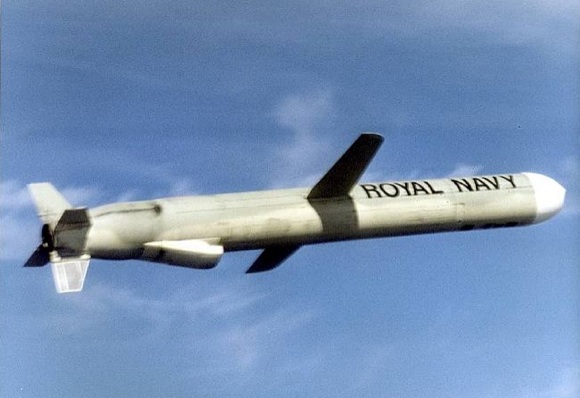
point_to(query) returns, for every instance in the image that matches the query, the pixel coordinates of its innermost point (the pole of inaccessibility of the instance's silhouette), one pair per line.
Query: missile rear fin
(69, 273)
(64, 234)
(50, 204)
(70, 233)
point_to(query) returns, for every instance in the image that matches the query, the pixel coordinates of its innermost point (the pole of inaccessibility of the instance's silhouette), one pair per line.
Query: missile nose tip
(549, 196)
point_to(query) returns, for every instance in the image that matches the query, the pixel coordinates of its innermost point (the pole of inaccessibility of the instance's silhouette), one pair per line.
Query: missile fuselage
(254, 220)
(195, 231)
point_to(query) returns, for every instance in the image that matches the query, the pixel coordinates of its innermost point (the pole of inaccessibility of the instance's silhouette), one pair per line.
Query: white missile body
(196, 231)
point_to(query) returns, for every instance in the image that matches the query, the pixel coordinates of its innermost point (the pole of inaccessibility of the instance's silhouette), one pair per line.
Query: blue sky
(138, 99)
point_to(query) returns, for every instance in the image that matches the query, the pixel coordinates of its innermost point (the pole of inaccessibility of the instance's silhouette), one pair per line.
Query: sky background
(136, 99)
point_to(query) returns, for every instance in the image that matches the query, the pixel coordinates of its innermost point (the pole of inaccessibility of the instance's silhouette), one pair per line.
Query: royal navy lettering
(419, 188)
(389, 190)
(510, 179)
(395, 189)
(433, 190)
(492, 183)
(371, 190)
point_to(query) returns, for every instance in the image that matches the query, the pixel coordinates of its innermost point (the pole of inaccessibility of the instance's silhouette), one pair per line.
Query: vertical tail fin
(50, 204)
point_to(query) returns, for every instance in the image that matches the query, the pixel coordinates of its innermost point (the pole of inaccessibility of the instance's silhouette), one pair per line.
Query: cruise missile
(196, 231)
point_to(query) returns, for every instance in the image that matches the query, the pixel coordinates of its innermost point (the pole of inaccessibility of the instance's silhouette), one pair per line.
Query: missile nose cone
(549, 196)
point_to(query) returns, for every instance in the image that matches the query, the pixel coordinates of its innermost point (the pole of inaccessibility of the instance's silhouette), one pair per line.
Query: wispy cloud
(572, 186)
(20, 232)
(304, 112)
(82, 314)
(518, 22)
(462, 170)
(83, 196)
(166, 175)
(253, 345)
(230, 329)
(306, 117)
(567, 172)
(568, 384)
(181, 187)
(14, 196)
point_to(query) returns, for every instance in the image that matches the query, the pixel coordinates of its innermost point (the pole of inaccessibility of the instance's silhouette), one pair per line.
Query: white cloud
(19, 237)
(253, 344)
(568, 174)
(98, 304)
(536, 22)
(181, 187)
(570, 167)
(82, 196)
(20, 232)
(307, 117)
(568, 385)
(167, 175)
(303, 113)
(230, 329)
(14, 196)
(20, 229)
(462, 170)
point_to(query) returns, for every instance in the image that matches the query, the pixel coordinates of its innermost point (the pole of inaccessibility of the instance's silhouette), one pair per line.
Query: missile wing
(336, 183)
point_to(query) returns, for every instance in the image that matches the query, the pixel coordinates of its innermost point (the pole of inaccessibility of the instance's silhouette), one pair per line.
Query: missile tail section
(64, 235)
